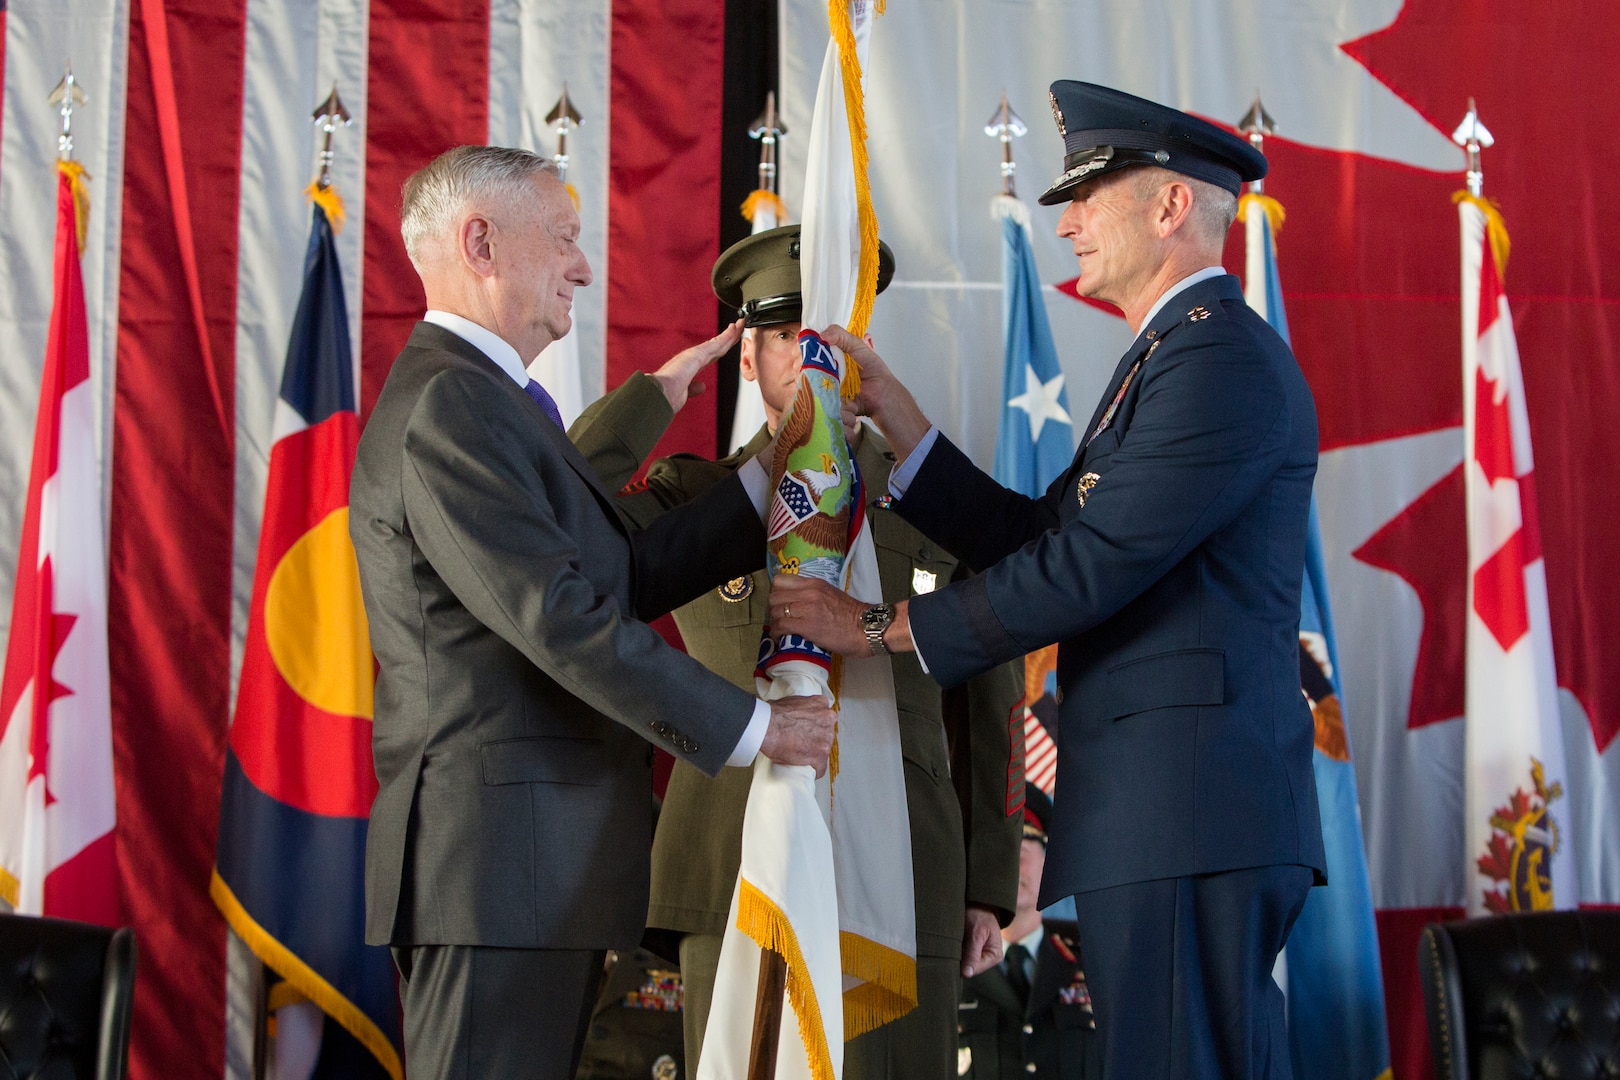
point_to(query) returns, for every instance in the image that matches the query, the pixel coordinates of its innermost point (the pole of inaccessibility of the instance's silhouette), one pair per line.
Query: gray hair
(435, 195)
(1213, 209)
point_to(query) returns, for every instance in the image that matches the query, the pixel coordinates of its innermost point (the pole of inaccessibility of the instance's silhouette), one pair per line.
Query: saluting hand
(677, 377)
(800, 733)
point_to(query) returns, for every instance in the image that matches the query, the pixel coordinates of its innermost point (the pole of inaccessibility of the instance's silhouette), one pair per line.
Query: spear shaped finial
(1257, 124)
(1006, 125)
(767, 128)
(67, 96)
(563, 118)
(1473, 136)
(329, 115)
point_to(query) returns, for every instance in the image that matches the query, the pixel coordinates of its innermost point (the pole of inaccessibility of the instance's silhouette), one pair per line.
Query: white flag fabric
(826, 866)
(1519, 846)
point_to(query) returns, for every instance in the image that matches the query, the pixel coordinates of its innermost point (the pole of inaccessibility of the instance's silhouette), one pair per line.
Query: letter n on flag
(299, 782)
(56, 769)
(1518, 829)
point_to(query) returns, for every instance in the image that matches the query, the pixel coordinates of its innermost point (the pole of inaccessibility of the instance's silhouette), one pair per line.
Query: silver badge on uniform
(736, 590)
(922, 581)
(1083, 489)
(964, 1060)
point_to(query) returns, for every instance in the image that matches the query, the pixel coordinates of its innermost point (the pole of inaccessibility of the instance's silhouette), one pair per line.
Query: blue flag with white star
(1036, 442)
(1336, 1024)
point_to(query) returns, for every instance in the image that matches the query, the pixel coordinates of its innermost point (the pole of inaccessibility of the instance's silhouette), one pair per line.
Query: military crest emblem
(737, 589)
(1083, 489)
(665, 1068)
(1524, 839)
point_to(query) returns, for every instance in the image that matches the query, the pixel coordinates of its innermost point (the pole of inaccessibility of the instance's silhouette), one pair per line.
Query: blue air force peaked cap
(1105, 130)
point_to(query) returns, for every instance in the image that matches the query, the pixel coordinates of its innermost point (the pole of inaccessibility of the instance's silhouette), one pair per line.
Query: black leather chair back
(1522, 996)
(66, 989)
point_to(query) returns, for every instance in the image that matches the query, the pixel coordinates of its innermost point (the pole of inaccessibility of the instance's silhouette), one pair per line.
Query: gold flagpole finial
(1473, 136)
(1006, 125)
(67, 96)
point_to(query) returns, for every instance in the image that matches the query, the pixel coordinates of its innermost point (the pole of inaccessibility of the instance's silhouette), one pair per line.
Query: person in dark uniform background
(1167, 564)
(964, 826)
(1030, 1015)
(635, 1028)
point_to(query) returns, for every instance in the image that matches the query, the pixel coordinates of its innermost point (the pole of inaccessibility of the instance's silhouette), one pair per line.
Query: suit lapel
(428, 336)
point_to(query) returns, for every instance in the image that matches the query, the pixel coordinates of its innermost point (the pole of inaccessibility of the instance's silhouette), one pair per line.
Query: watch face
(876, 618)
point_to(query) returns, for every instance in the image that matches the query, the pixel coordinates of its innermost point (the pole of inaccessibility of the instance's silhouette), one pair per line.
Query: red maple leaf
(1497, 861)
(54, 628)
(1534, 70)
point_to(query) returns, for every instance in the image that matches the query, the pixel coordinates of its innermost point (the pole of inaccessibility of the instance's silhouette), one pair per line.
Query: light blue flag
(1336, 1023)
(1036, 441)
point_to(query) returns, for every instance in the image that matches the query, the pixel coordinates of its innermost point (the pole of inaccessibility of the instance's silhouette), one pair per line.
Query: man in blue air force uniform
(1167, 563)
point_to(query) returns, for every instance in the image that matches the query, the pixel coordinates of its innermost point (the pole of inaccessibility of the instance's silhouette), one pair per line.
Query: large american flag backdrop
(198, 142)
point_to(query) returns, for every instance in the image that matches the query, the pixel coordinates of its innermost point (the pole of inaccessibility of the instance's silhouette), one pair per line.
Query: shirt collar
(1032, 940)
(486, 341)
(1185, 283)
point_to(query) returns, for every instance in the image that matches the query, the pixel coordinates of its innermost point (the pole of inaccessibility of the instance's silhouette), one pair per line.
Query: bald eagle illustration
(804, 488)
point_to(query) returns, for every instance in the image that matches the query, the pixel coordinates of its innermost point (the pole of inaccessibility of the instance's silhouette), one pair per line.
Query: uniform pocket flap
(542, 760)
(1184, 677)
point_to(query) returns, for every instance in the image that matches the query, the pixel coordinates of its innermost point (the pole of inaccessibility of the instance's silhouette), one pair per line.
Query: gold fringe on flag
(1495, 228)
(760, 198)
(10, 888)
(572, 194)
(860, 316)
(888, 988)
(284, 962)
(1273, 209)
(768, 928)
(79, 183)
(328, 199)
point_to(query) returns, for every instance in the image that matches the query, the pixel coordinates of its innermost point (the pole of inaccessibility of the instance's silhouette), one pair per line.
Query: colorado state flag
(299, 781)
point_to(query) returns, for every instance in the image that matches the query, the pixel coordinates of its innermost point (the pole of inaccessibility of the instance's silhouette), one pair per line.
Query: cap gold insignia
(665, 1068)
(1057, 114)
(1199, 313)
(1083, 489)
(736, 590)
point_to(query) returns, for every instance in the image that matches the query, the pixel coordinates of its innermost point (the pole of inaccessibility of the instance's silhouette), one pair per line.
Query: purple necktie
(543, 399)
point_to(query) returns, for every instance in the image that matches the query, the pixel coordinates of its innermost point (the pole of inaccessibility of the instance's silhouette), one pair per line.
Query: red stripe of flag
(170, 543)
(664, 193)
(427, 91)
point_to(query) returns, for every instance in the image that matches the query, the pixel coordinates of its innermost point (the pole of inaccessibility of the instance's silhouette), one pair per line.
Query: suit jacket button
(925, 554)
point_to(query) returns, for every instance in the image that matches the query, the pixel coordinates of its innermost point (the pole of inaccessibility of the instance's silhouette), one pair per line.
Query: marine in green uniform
(1030, 1015)
(964, 827)
(635, 1030)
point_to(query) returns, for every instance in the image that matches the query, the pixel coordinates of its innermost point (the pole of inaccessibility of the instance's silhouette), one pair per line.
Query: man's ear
(1175, 204)
(476, 244)
(745, 364)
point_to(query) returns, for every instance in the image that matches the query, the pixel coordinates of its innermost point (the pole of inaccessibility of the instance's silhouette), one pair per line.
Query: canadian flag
(56, 772)
(1519, 847)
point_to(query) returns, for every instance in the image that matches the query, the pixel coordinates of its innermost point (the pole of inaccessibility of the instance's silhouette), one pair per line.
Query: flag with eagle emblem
(825, 879)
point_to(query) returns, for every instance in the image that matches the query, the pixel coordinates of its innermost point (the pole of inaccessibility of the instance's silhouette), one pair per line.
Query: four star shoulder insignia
(1199, 313)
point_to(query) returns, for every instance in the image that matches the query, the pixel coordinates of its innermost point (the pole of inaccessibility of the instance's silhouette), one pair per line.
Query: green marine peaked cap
(759, 277)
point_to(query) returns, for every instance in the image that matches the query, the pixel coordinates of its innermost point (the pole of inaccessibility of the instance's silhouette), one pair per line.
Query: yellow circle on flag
(315, 622)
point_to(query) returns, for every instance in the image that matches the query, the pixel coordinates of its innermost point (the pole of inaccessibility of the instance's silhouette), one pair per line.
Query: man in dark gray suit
(509, 839)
